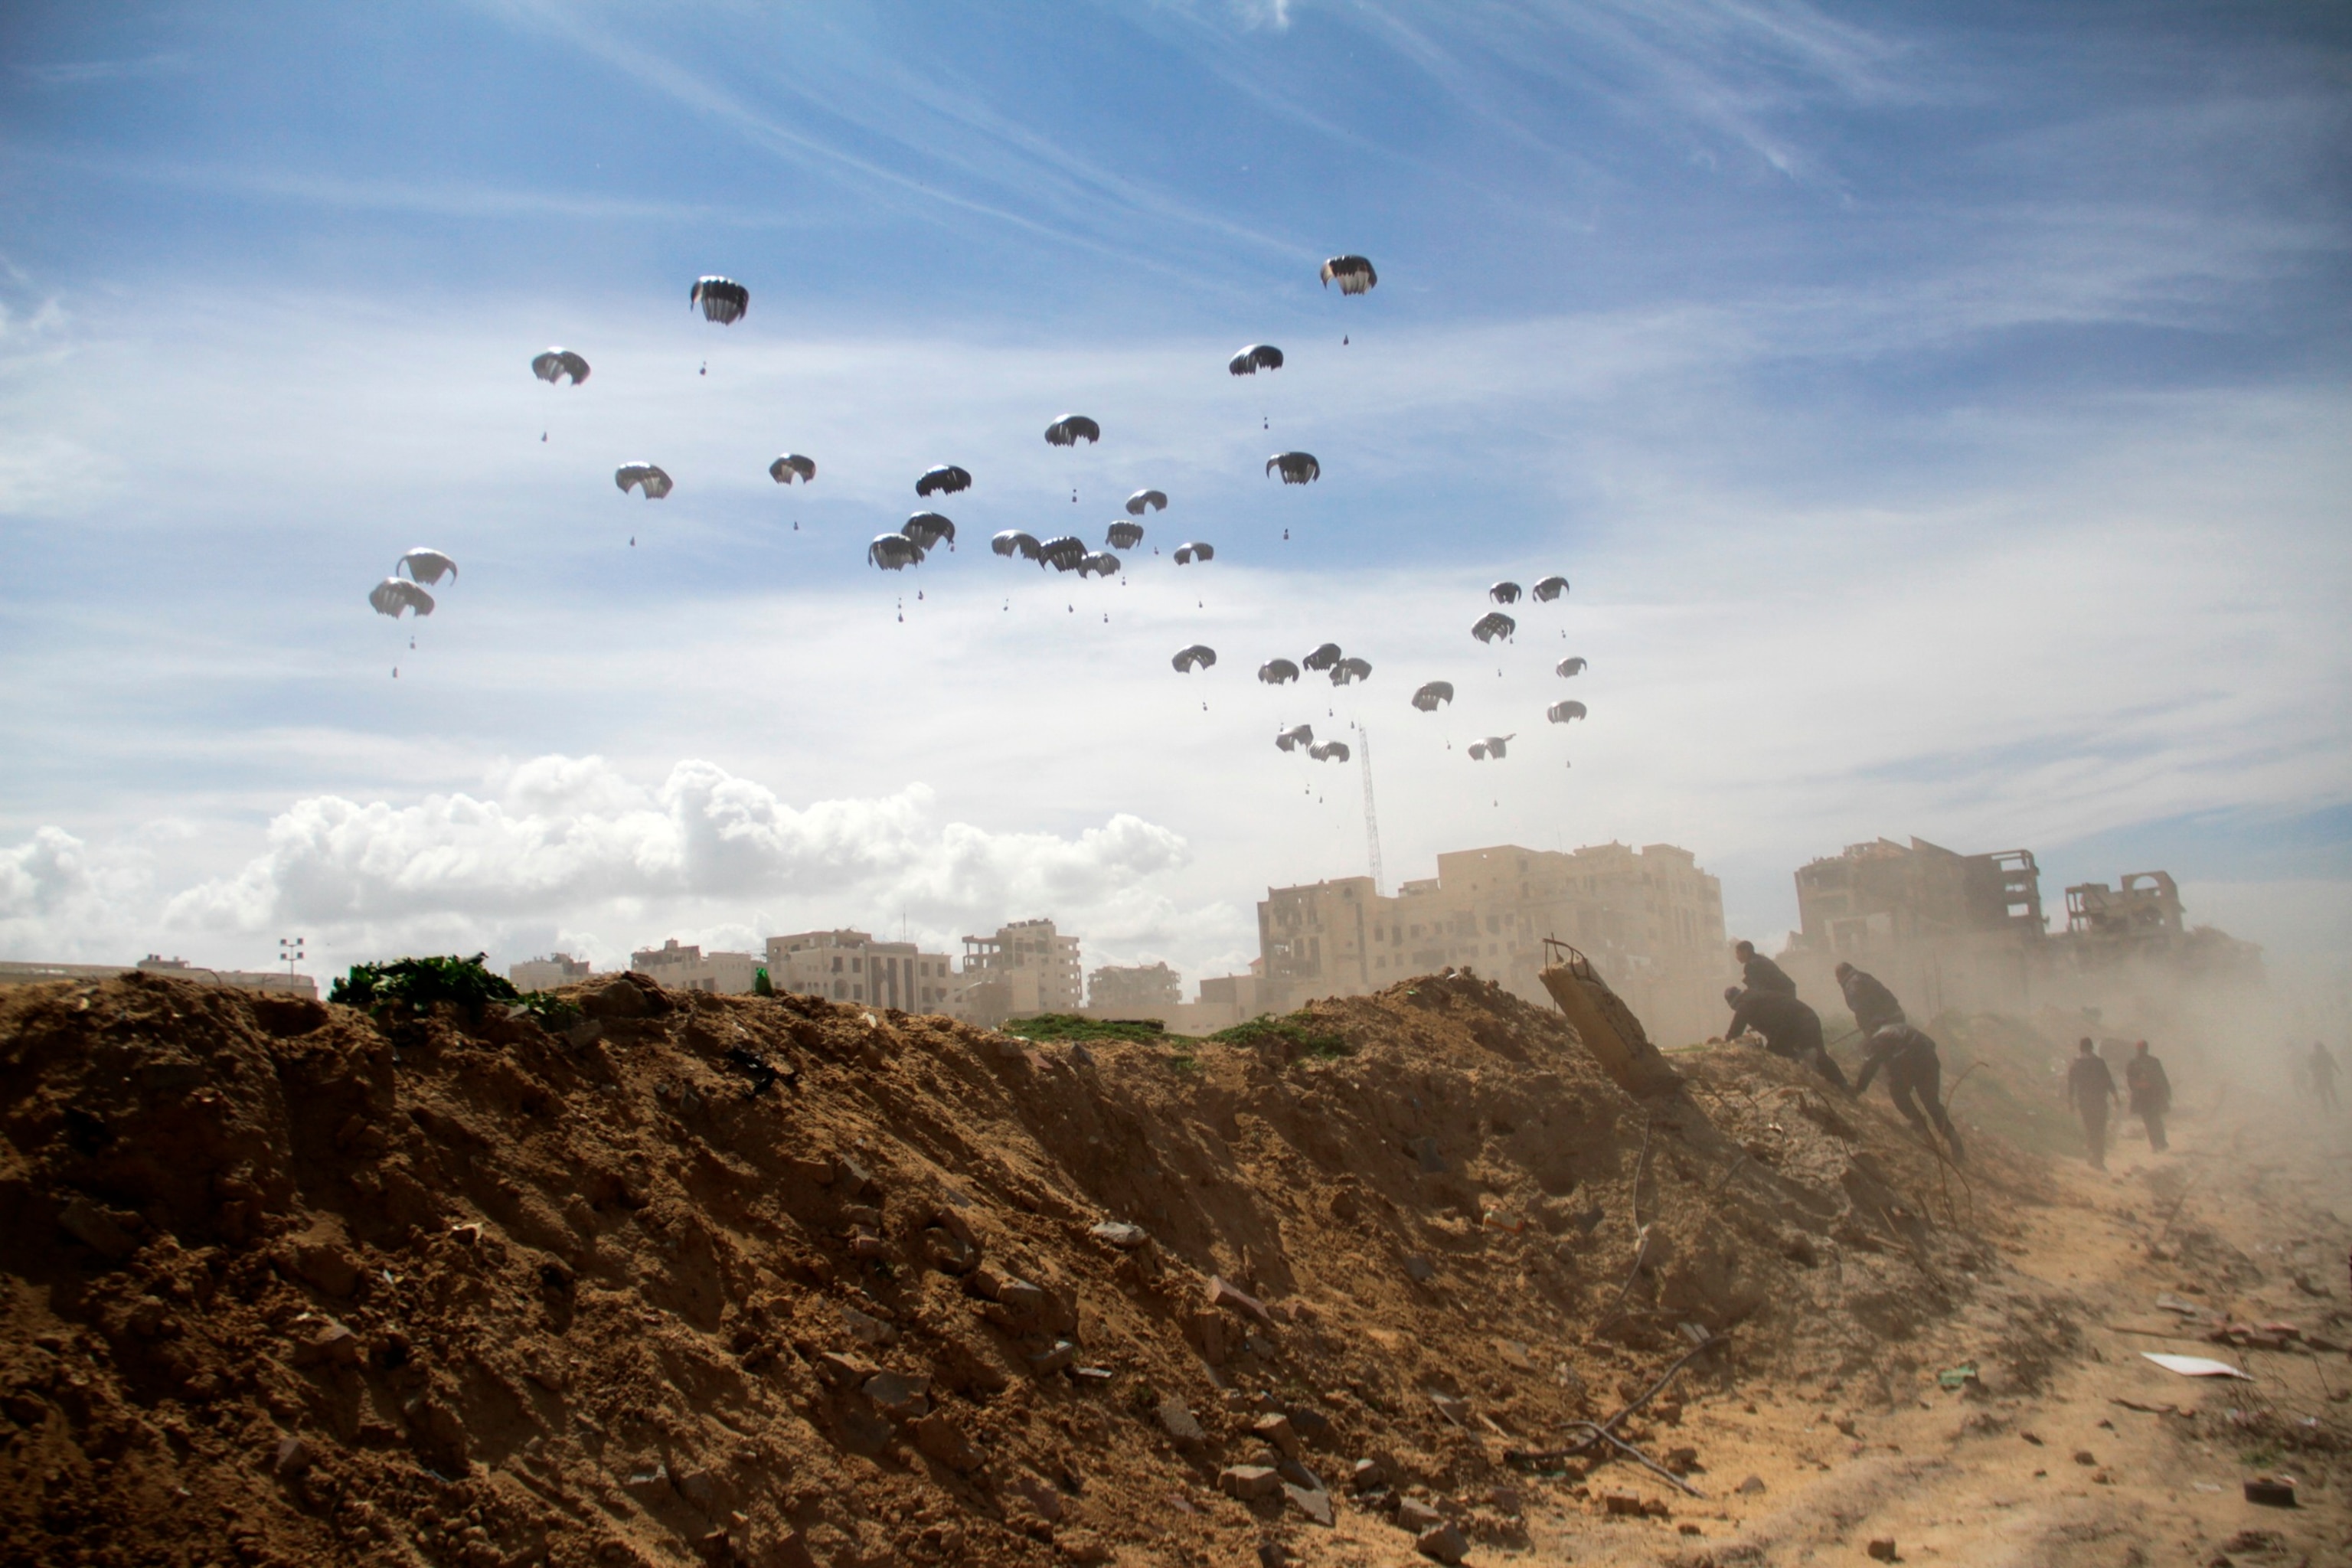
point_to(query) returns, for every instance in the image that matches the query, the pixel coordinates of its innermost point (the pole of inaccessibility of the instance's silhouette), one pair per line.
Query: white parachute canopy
(1199, 656)
(426, 565)
(560, 365)
(394, 595)
(1495, 746)
(649, 478)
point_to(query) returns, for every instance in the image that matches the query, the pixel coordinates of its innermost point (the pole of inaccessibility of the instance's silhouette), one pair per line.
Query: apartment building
(1027, 967)
(688, 968)
(1649, 919)
(851, 966)
(1137, 991)
(545, 974)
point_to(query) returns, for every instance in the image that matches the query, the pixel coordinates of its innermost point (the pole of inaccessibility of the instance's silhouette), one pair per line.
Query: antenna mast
(1371, 817)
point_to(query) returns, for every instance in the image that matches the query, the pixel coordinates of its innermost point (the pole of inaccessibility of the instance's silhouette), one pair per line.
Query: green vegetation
(1184, 1062)
(761, 985)
(421, 982)
(1296, 1036)
(1070, 1027)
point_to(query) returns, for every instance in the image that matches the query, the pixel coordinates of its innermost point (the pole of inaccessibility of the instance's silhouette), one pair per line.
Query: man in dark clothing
(2090, 1088)
(1873, 1006)
(2151, 1094)
(1789, 1028)
(1912, 1067)
(2323, 1075)
(1761, 974)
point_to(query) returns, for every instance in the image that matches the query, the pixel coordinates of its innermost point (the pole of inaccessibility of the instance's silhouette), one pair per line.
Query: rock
(866, 1243)
(1299, 1475)
(1275, 1429)
(866, 1215)
(1369, 1476)
(1883, 1550)
(1443, 1543)
(1454, 1410)
(866, 1327)
(1021, 1299)
(1506, 1499)
(327, 1266)
(1047, 1499)
(1179, 1422)
(818, 1169)
(95, 1229)
(1080, 1057)
(1312, 1501)
(292, 1458)
(854, 1177)
(1234, 1298)
(1752, 1485)
(1248, 1482)
(1081, 1546)
(1311, 1424)
(898, 1396)
(333, 1345)
(844, 1371)
(1061, 1354)
(618, 997)
(942, 1439)
(650, 1484)
(1419, 1268)
(1120, 1234)
(1272, 1555)
(2084, 1457)
(1415, 1514)
(1683, 1461)
(1624, 1505)
(950, 1253)
(1515, 1355)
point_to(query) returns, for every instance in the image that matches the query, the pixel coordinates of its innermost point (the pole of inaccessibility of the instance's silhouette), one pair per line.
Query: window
(857, 993)
(856, 966)
(836, 969)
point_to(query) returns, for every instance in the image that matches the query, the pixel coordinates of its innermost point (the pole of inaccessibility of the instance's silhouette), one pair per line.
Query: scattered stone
(1752, 1485)
(1515, 1355)
(95, 1229)
(1272, 1555)
(942, 1439)
(1121, 1233)
(1047, 1499)
(1419, 1268)
(1506, 1499)
(1369, 1476)
(1063, 1353)
(293, 1458)
(1234, 1299)
(2033, 1438)
(1443, 1543)
(1080, 1057)
(866, 1215)
(1454, 1410)
(866, 1328)
(2085, 1457)
(1179, 1422)
(333, 1345)
(1683, 1461)
(1093, 1374)
(1021, 1299)
(1248, 1482)
(864, 1243)
(898, 1396)
(844, 1371)
(1312, 1501)
(950, 1253)
(818, 1169)
(649, 1484)
(1416, 1515)
(1311, 1424)
(1883, 1550)
(854, 1177)
(1275, 1429)
(1081, 1546)
(1299, 1475)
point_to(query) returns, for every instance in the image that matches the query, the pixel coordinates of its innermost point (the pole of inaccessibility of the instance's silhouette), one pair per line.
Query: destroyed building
(1140, 990)
(851, 966)
(1027, 967)
(688, 968)
(1948, 930)
(1650, 920)
(547, 972)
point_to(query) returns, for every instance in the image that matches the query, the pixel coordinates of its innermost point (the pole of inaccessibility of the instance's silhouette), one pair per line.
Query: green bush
(421, 982)
(1295, 1035)
(761, 985)
(1061, 1026)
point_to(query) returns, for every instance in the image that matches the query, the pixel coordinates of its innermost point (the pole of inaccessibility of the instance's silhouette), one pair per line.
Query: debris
(1121, 1234)
(2272, 1491)
(1415, 1514)
(1957, 1377)
(1752, 1485)
(1883, 1550)
(1275, 1429)
(2084, 1457)
(1234, 1298)
(899, 1397)
(1179, 1422)
(2151, 1409)
(1419, 1268)
(942, 1439)
(2194, 1365)
(1454, 1410)
(2172, 1304)
(1312, 1501)
(1248, 1482)
(292, 1458)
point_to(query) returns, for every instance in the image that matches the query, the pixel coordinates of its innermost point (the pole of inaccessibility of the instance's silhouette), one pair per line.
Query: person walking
(1912, 1067)
(1873, 1006)
(2322, 1068)
(2151, 1094)
(1789, 1028)
(2090, 1088)
(1759, 973)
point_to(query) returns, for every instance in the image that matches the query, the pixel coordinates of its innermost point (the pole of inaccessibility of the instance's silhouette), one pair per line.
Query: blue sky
(1941, 411)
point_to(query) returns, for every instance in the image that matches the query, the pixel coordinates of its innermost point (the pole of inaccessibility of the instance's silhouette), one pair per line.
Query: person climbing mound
(1912, 1067)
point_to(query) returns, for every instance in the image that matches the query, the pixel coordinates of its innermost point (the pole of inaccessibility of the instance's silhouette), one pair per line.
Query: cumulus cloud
(573, 841)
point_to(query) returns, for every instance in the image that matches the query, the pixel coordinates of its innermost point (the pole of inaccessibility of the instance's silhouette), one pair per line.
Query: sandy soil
(782, 1282)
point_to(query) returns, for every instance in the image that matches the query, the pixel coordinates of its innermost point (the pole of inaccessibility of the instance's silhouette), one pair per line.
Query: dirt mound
(782, 1281)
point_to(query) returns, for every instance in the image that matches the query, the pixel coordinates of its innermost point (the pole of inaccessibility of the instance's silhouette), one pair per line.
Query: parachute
(1569, 667)
(946, 478)
(1504, 593)
(894, 552)
(426, 565)
(1063, 554)
(1329, 752)
(648, 476)
(557, 363)
(1349, 671)
(1493, 746)
(1193, 550)
(783, 469)
(1101, 563)
(1492, 625)
(1274, 671)
(1255, 358)
(1012, 541)
(1551, 588)
(1433, 693)
(1562, 712)
(1324, 657)
(1297, 735)
(1070, 428)
(1147, 501)
(722, 299)
(1352, 273)
(394, 595)
(1126, 535)
(1297, 467)
(1199, 656)
(927, 529)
